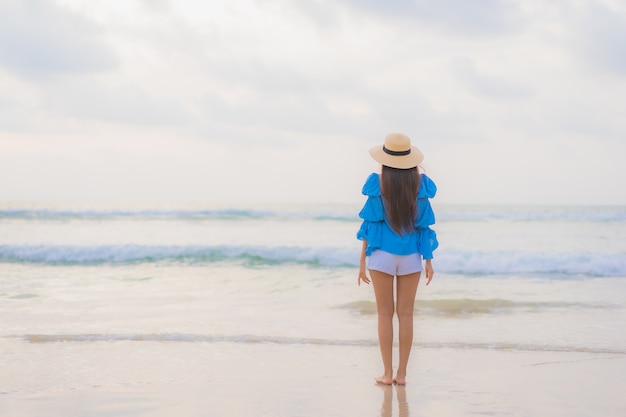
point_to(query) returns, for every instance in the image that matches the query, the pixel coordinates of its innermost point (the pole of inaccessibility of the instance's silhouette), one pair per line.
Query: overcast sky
(234, 101)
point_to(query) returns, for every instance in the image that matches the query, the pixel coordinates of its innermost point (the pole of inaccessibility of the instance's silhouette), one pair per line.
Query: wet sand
(130, 378)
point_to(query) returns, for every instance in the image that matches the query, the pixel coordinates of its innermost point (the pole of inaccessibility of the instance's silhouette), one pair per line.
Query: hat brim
(411, 160)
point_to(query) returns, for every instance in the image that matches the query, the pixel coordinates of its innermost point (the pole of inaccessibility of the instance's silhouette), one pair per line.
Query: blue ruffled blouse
(379, 235)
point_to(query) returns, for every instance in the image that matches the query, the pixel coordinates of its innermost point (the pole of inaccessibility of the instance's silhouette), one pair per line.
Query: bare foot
(400, 379)
(385, 380)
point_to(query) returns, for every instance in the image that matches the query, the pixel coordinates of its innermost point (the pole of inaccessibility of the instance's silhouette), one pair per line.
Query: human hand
(428, 269)
(363, 276)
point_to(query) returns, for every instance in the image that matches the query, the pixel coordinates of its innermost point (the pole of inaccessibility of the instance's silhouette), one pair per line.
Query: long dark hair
(399, 189)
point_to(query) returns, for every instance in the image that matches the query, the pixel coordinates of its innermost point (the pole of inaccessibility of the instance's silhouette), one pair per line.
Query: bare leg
(407, 287)
(383, 290)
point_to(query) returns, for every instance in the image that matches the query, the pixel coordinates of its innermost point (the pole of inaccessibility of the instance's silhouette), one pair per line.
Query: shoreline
(198, 379)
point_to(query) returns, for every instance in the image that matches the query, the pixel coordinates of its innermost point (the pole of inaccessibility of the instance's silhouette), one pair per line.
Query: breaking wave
(448, 261)
(254, 339)
(340, 213)
(467, 307)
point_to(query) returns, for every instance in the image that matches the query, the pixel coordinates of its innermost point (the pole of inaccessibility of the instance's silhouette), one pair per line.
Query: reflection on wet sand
(386, 409)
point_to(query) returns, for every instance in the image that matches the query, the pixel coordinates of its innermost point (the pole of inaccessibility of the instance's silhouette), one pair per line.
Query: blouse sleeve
(372, 215)
(426, 237)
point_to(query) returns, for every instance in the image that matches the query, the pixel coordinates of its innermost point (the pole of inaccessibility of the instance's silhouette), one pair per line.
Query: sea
(89, 279)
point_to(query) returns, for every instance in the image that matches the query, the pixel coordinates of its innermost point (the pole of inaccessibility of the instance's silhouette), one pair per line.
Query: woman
(396, 237)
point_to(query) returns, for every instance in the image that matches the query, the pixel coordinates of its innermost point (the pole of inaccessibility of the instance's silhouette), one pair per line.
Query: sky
(278, 101)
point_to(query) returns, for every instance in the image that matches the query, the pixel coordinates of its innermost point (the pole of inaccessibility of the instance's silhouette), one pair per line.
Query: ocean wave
(131, 254)
(467, 307)
(531, 263)
(279, 340)
(468, 263)
(574, 214)
(341, 213)
(181, 215)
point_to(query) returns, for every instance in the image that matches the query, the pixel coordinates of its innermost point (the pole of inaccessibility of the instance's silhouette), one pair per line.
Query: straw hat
(397, 152)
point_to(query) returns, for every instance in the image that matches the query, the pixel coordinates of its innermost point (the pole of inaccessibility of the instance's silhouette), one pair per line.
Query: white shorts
(395, 265)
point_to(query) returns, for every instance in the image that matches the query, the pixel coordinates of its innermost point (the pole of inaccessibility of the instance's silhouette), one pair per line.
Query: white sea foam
(254, 339)
(447, 261)
(549, 263)
(121, 254)
(444, 213)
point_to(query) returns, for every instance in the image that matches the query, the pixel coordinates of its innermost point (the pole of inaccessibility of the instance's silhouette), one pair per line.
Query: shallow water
(81, 283)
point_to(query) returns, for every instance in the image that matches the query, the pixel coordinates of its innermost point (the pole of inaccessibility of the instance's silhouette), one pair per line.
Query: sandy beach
(264, 379)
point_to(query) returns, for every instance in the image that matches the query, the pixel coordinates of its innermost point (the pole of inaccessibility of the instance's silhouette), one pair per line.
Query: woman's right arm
(428, 268)
(362, 271)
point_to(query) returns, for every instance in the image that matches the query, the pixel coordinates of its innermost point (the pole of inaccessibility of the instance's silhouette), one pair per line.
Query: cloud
(600, 37)
(474, 18)
(123, 103)
(488, 86)
(157, 5)
(287, 101)
(18, 116)
(39, 38)
(258, 85)
(270, 97)
(409, 111)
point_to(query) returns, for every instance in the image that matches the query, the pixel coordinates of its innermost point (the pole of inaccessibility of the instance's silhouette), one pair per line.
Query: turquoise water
(556, 243)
